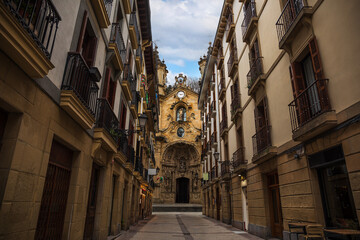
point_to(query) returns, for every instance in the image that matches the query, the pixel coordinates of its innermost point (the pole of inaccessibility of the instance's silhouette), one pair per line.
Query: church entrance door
(182, 190)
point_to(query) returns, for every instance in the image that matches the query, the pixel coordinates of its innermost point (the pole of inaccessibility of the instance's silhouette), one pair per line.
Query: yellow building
(281, 78)
(73, 85)
(178, 143)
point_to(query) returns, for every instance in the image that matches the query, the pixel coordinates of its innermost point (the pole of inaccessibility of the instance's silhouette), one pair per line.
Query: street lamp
(142, 120)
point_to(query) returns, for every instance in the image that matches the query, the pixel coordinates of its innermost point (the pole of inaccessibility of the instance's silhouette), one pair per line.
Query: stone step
(177, 207)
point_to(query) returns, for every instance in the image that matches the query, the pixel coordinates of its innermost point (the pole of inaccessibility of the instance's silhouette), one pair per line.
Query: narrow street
(184, 225)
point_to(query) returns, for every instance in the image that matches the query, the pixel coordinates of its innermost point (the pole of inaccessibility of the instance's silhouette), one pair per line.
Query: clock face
(180, 132)
(181, 94)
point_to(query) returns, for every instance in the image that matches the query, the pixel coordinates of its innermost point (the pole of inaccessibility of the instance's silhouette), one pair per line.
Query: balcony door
(312, 93)
(87, 43)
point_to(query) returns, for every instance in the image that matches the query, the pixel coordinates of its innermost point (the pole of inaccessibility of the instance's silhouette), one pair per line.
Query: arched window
(181, 114)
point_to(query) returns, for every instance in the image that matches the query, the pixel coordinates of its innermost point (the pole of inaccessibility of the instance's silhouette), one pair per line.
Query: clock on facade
(180, 132)
(180, 94)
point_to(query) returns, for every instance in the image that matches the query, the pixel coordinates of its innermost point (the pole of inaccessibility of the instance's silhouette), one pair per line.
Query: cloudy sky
(182, 29)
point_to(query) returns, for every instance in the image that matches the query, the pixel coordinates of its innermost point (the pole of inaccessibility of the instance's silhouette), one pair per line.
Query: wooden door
(53, 203)
(275, 205)
(91, 209)
(218, 204)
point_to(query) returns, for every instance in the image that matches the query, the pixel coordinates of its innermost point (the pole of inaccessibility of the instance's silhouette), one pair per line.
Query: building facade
(77, 80)
(177, 143)
(280, 104)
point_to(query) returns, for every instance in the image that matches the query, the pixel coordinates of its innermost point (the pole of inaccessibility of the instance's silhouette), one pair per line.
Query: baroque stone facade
(178, 144)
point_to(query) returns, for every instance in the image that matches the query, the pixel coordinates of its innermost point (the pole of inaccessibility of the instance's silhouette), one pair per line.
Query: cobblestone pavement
(188, 226)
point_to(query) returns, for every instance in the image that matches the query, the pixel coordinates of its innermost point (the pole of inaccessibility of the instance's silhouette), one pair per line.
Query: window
(254, 52)
(123, 116)
(87, 43)
(109, 88)
(181, 114)
(261, 139)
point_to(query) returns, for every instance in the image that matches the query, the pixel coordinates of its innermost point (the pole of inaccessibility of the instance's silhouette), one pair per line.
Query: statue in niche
(182, 167)
(181, 114)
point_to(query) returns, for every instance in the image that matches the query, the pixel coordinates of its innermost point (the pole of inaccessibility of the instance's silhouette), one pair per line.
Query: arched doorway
(182, 190)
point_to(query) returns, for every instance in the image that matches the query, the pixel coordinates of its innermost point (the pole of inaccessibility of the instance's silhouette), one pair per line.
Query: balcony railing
(123, 142)
(220, 57)
(135, 99)
(40, 19)
(223, 125)
(105, 118)
(117, 38)
(313, 101)
(108, 6)
(235, 105)
(81, 80)
(225, 167)
(232, 62)
(288, 15)
(256, 70)
(261, 140)
(229, 26)
(250, 13)
(221, 86)
(134, 30)
(238, 158)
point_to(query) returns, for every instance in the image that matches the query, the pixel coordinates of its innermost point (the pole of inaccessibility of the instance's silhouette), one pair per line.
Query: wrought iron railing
(235, 104)
(313, 101)
(129, 77)
(133, 22)
(225, 167)
(288, 15)
(79, 78)
(238, 158)
(250, 12)
(262, 139)
(117, 38)
(106, 118)
(232, 59)
(256, 69)
(40, 19)
(135, 99)
(108, 6)
(123, 142)
(223, 125)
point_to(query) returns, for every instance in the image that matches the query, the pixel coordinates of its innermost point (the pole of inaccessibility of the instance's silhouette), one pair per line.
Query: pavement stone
(183, 225)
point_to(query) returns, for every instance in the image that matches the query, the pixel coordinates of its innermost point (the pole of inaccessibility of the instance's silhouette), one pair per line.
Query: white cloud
(182, 29)
(178, 62)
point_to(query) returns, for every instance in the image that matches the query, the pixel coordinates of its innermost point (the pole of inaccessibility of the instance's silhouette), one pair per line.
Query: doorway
(245, 207)
(91, 209)
(275, 205)
(56, 188)
(182, 190)
(218, 204)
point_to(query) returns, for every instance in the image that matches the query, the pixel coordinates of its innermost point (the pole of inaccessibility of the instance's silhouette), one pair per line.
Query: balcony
(230, 27)
(250, 22)
(225, 168)
(138, 60)
(310, 112)
(102, 9)
(232, 62)
(134, 104)
(220, 58)
(255, 76)
(213, 109)
(223, 127)
(127, 82)
(79, 90)
(262, 145)
(127, 5)
(213, 140)
(239, 161)
(222, 88)
(106, 130)
(28, 34)
(293, 15)
(235, 108)
(116, 44)
(134, 31)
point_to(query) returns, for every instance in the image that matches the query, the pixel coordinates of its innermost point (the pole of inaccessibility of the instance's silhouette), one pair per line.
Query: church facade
(178, 146)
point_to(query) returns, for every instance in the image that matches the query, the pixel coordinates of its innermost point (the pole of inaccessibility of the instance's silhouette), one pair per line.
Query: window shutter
(256, 48)
(106, 86)
(82, 32)
(298, 84)
(89, 51)
(131, 137)
(319, 75)
(256, 116)
(266, 111)
(123, 116)
(112, 93)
